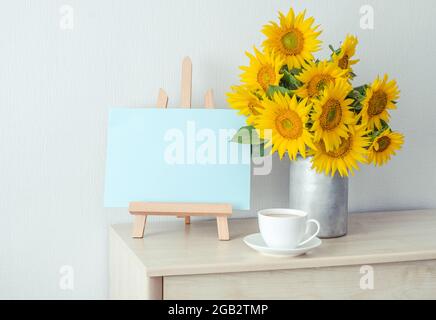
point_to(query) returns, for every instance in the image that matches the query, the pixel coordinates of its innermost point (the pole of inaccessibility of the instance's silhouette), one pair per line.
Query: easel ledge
(140, 211)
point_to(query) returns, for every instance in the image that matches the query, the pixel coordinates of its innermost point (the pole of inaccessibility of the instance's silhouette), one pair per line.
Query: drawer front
(403, 280)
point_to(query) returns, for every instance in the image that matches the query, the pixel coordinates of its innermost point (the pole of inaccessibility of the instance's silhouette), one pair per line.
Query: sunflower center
(343, 62)
(342, 150)
(331, 115)
(377, 103)
(266, 76)
(318, 83)
(293, 42)
(383, 143)
(289, 125)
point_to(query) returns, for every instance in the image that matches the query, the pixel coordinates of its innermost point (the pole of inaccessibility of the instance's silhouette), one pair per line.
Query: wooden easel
(140, 210)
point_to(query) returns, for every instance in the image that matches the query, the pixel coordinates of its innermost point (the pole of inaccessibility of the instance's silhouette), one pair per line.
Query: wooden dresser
(386, 255)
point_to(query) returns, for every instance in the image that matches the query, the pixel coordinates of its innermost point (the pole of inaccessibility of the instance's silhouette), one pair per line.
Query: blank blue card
(176, 155)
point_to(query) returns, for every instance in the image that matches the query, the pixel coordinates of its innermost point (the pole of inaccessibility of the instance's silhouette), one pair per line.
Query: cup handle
(307, 228)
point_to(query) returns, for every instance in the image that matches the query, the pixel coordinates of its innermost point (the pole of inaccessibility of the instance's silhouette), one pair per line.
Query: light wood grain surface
(402, 280)
(383, 237)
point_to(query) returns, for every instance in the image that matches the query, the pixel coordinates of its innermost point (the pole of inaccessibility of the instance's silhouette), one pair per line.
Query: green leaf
(361, 89)
(385, 125)
(273, 89)
(357, 107)
(334, 51)
(247, 135)
(357, 95)
(295, 71)
(374, 134)
(290, 80)
(285, 81)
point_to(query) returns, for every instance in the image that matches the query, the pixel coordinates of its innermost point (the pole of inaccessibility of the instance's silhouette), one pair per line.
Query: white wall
(56, 87)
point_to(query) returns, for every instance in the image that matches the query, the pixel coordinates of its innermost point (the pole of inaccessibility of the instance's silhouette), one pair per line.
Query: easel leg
(223, 228)
(139, 225)
(187, 219)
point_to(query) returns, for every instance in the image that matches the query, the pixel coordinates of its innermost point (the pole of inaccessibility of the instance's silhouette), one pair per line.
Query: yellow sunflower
(332, 115)
(348, 50)
(380, 97)
(294, 39)
(285, 117)
(245, 101)
(384, 146)
(263, 71)
(317, 76)
(345, 158)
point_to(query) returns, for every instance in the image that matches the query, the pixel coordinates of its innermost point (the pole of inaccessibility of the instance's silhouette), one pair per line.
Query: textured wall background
(56, 87)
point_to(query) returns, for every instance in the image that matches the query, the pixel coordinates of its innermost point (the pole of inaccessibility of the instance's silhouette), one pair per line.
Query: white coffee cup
(285, 228)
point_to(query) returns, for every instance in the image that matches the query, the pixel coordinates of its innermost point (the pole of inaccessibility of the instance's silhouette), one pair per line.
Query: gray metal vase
(325, 198)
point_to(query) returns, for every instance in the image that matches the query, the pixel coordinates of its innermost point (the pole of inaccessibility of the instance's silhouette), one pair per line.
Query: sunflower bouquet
(309, 106)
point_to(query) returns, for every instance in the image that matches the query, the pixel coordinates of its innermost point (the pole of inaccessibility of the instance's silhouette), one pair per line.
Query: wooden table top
(376, 237)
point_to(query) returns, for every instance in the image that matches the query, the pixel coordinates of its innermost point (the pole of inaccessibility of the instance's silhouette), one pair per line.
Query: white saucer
(255, 241)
